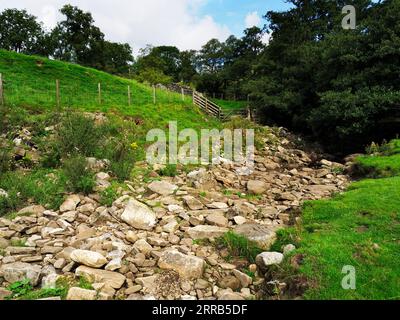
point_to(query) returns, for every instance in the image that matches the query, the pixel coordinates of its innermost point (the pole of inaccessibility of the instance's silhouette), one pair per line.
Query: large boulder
(19, 271)
(163, 188)
(263, 236)
(188, 267)
(113, 279)
(88, 258)
(206, 232)
(139, 216)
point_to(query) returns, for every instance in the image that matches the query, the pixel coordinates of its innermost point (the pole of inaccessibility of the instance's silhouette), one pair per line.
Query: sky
(187, 24)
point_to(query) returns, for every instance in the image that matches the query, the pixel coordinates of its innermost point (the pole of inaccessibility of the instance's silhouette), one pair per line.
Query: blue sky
(232, 13)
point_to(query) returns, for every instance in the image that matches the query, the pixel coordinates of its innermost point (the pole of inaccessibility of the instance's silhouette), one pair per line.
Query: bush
(78, 135)
(79, 177)
(5, 160)
(108, 196)
(122, 157)
(169, 171)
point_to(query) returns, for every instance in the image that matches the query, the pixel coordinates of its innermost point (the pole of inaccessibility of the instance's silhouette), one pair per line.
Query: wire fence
(62, 94)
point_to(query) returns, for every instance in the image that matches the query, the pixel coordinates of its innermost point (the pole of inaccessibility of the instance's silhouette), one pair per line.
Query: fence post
(206, 105)
(99, 89)
(58, 95)
(1, 90)
(183, 94)
(154, 94)
(129, 95)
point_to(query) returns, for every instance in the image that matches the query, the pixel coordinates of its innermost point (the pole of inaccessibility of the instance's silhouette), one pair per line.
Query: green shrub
(122, 157)
(169, 171)
(78, 134)
(108, 196)
(5, 159)
(79, 177)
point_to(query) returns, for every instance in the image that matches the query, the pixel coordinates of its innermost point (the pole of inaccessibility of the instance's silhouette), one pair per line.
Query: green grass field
(227, 105)
(360, 228)
(30, 82)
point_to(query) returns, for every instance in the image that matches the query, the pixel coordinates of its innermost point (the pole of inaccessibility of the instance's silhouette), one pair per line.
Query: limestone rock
(81, 294)
(113, 279)
(162, 187)
(70, 203)
(266, 259)
(19, 271)
(217, 219)
(244, 279)
(139, 216)
(189, 267)
(32, 210)
(88, 258)
(256, 187)
(193, 203)
(263, 235)
(206, 232)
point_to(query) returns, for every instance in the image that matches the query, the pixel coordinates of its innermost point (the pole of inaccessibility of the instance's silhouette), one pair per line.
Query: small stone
(162, 187)
(193, 203)
(229, 282)
(256, 187)
(60, 263)
(239, 220)
(266, 259)
(133, 289)
(113, 279)
(189, 267)
(139, 216)
(131, 236)
(206, 232)
(143, 246)
(244, 279)
(70, 204)
(217, 219)
(88, 258)
(171, 227)
(81, 294)
(34, 210)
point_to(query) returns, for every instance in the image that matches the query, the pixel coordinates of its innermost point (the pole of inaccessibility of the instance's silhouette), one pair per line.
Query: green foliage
(108, 196)
(122, 157)
(45, 187)
(20, 288)
(5, 159)
(18, 243)
(23, 290)
(169, 171)
(77, 135)
(79, 177)
(85, 283)
(239, 246)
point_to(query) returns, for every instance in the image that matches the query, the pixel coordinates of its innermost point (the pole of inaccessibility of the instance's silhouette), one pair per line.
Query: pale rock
(189, 267)
(131, 237)
(88, 258)
(266, 259)
(244, 279)
(81, 294)
(232, 296)
(217, 219)
(19, 271)
(70, 203)
(139, 216)
(239, 220)
(193, 203)
(217, 205)
(113, 279)
(35, 210)
(263, 235)
(114, 264)
(171, 227)
(206, 232)
(143, 246)
(162, 187)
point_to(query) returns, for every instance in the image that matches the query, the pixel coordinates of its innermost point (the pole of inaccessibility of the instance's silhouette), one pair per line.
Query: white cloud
(252, 19)
(138, 22)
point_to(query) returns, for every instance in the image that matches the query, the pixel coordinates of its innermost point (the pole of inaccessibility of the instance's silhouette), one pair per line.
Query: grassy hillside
(228, 105)
(30, 81)
(360, 228)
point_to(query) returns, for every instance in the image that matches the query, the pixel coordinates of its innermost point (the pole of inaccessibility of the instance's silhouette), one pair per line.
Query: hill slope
(30, 81)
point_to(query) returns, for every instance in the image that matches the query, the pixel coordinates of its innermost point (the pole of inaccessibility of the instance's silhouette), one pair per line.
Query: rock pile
(156, 240)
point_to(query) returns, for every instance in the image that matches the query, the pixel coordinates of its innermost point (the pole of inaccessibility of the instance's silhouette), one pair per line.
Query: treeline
(75, 39)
